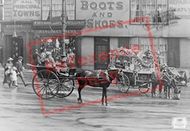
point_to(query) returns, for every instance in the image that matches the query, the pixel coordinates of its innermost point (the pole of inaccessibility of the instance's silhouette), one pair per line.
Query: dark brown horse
(96, 79)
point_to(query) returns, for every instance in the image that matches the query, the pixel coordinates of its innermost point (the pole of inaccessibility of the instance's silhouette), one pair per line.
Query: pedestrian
(20, 68)
(10, 73)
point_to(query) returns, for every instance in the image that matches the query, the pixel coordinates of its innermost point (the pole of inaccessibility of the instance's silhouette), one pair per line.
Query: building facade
(168, 19)
(24, 21)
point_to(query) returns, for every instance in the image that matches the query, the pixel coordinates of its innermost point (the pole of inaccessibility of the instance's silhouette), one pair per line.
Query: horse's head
(113, 73)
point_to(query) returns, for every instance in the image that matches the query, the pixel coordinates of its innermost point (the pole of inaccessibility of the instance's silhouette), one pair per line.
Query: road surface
(20, 111)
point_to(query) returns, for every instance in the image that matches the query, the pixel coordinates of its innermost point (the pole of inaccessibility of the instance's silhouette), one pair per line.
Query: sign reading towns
(27, 9)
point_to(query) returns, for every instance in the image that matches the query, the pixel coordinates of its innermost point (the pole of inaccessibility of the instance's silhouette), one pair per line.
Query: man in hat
(20, 68)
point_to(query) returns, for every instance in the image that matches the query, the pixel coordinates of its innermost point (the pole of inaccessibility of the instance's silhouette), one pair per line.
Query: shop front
(166, 20)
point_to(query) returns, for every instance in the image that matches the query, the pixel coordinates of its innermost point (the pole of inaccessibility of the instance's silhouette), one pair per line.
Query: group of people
(46, 58)
(13, 71)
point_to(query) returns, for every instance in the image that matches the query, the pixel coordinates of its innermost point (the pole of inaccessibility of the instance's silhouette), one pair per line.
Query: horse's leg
(153, 89)
(106, 96)
(103, 95)
(160, 88)
(79, 93)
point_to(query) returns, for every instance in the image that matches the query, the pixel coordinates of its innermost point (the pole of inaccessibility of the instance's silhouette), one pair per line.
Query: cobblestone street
(20, 111)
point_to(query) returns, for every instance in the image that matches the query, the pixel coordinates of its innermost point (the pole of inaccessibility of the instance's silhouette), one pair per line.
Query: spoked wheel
(45, 84)
(66, 88)
(123, 83)
(144, 88)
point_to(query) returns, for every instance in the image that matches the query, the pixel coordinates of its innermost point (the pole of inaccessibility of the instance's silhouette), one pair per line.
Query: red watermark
(47, 112)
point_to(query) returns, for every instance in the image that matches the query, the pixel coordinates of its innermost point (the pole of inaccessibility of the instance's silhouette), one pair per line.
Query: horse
(96, 79)
(167, 82)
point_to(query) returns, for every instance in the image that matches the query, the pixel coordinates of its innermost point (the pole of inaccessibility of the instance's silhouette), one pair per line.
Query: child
(19, 67)
(10, 75)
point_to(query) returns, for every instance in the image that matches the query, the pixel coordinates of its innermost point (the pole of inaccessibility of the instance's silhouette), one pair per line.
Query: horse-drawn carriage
(47, 82)
(140, 71)
(135, 72)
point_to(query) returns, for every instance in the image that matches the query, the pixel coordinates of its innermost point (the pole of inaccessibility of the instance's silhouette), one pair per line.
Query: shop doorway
(13, 47)
(101, 52)
(173, 52)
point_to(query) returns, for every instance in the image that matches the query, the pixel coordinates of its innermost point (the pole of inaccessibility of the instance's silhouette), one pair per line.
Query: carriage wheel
(144, 88)
(45, 84)
(66, 88)
(123, 83)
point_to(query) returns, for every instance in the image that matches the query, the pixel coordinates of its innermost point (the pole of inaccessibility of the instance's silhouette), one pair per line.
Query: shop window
(159, 43)
(156, 9)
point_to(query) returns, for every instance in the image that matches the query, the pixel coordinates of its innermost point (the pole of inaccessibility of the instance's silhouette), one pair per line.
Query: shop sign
(103, 13)
(27, 10)
(71, 24)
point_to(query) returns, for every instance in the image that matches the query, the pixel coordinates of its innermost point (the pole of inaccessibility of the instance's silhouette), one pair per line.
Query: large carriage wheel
(145, 87)
(45, 84)
(123, 83)
(66, 87)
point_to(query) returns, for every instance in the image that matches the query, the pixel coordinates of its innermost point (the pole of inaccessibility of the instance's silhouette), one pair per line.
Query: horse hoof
(79, 101)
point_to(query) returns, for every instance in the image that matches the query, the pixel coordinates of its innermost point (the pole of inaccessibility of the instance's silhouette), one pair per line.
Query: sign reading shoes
(103, 12)
(27, 9)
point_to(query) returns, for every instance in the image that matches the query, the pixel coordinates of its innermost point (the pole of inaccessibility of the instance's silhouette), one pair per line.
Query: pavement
(20, 110)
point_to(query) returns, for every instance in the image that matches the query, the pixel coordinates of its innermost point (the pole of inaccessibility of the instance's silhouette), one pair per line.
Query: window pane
(70, 9)
(46, 9)
(155, 9)
(56, 8)
(1, 12)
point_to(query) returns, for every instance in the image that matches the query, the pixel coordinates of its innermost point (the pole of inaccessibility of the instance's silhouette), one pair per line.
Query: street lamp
(63, 25)
(14, 31)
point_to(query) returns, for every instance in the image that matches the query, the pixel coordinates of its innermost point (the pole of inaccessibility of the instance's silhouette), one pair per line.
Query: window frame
(152, 23)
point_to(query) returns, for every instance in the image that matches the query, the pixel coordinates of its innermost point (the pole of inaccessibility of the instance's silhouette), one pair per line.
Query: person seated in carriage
(49, 60)
(148, 58)
(43, 56)
(62, 66)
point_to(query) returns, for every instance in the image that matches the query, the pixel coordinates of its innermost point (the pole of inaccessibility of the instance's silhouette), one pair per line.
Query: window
(123, 42)
(70, 9)
(1, 12)
(56, 8)
(160, 44)
(53, 9)
(46, 9)
(156, 9)
(1, 2)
